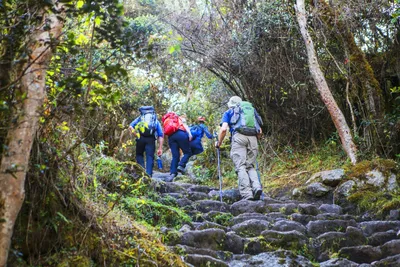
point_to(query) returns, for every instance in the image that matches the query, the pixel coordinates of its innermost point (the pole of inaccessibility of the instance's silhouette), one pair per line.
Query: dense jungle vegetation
(74, 73)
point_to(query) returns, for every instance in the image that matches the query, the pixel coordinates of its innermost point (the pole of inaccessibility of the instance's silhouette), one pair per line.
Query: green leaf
(79, 4)
(174, 48)
(82, 39)
(63, 217)
(171, 49)
(97, 21)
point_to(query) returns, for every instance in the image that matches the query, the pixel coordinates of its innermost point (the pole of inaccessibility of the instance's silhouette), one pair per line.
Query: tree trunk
(326, 95)
(15, 158)
(361, 74)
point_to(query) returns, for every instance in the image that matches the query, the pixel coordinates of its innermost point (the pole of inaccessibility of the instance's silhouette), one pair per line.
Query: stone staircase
(270, 232)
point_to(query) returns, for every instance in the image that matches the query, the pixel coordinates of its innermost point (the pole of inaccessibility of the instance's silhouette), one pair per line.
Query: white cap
(233, 101)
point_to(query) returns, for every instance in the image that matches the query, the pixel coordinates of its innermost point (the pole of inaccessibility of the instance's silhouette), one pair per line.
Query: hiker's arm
(132, 125)
(160, 138)
(260, 122)
(222, 134)
(188, 131)
(259, 135)
(160, 145)
(208, 134)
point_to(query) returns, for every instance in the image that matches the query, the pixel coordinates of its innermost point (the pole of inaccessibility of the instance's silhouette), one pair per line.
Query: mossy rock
(171, 237)
(222, 218)
(386, 166)
(154, 213)
(183, 179)
(372, 186)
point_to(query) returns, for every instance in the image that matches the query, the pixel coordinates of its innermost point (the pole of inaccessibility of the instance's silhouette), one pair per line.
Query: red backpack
(172, 123)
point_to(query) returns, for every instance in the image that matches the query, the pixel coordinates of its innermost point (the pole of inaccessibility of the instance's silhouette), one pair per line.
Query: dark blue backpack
(196, 131)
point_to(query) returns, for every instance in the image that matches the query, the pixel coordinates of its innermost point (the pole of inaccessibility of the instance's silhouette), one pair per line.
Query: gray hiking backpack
(245, 119)
(148, 115)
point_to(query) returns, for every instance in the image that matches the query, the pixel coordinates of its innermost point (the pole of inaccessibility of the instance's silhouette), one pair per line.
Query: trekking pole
(219, 172)
(259, 179)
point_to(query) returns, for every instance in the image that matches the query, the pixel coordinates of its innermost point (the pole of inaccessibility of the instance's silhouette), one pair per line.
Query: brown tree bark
(326, 95)
(15, 159)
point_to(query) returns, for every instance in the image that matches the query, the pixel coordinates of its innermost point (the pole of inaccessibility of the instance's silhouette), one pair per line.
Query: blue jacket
(205, 131)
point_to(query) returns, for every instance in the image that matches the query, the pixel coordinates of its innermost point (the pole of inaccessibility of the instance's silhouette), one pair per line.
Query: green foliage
(285, 169)
(155, 214)
(222, 218)
(396, 12)
(205, 167)
(377, 203)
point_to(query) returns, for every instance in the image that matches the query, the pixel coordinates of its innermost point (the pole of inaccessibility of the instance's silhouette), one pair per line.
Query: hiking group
(242, 121)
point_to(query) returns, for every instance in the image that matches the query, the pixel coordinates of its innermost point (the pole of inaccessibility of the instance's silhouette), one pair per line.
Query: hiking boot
(181, 170)
(257, 194)
(170, 178)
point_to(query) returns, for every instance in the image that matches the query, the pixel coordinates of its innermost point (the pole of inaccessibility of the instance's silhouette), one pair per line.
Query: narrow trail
(271, 232)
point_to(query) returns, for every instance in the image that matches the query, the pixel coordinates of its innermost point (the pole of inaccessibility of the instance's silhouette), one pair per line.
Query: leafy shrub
(154, 213)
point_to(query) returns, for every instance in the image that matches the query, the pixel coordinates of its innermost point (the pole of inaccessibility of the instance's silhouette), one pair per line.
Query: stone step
(164, 187)
(220, 255)
(287, 225)
(195, 196)
(291, 240)
(248, 206)
(263, 233)
(209, 225)
(248, 216)
(330, 242)
(278, 258)
(372, 227)
(305, 219)
(205, 206)
(229, 196)
(222, 218)
(392, 261)
(251, 228)
(201, 188)
(316, 228)
(338, 263)
(204, 260)
(361, 254)
(380, 238)
(209, 238)
(369, 254)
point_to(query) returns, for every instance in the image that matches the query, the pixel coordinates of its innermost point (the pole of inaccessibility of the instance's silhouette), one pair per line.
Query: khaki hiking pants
(243, 154)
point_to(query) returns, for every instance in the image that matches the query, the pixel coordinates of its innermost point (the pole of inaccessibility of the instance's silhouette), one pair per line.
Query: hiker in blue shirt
(146, 141)
(198, 131)
(244, 124)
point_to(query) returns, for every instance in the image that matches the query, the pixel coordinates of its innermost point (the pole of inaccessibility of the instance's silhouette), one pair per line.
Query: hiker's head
(201, 119)
(233, 101)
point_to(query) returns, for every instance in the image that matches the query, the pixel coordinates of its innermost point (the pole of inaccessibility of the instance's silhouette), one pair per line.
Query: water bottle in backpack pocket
(149, 117)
